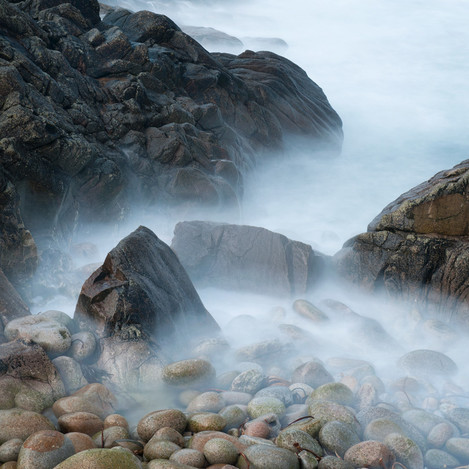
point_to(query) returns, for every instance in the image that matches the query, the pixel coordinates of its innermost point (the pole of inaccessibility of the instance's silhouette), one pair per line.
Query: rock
(331, 462)
(188, 372)
(205, 421)
(159, 449)
(168, 434)
(371, 454)
(94, 398)
(53, 337)
(459, 448)
(337, 437)
(428, 363)
(118, 287)
(10, 449)
(61, 318)
(45, 449)
(71, 374)
(283, 393)
(440, 434)
(245, 258)
(326, 411)
(28, 379)
(334, 392)
(436, 459)
(81, 422)
(83, 346)
(117, 458)
(307, 460)
(309, 311)
(11, 304)
(116, 420)
(213, 39)
(19, 423)
(18, 251)
(294, 439)
(267, 457)
(108, 437)
(80, 441)
(199, 440)
(189, 457)
(417, 247)
(460, 417)
(152, 422)
(250, 381)
(206, 402)
(265, 405)
(234, 416)
(380, 428)
(312, 373)
(219, 450)
(405, 450)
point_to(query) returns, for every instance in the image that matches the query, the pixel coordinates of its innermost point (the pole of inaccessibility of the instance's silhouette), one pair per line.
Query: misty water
(396, 72)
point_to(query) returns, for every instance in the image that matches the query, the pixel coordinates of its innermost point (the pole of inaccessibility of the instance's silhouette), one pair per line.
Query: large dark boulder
(417, 248)
(95, 114)
(142, 285)
(245, 258)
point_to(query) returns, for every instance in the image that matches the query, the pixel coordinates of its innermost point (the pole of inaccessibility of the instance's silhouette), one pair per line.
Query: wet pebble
(370, 454)
(335, 392)
(234, 416)
(459, 448)
(80, 441)
(337, 437)
(10, 449)
(295, 440)
(205, 421)
(440, 434)
(333, 462)
(152, 422)
(249, 381)
(427, 363)
(19, 423)
(45, 449)
(218, 450)
(188, 372)
(267, 457)
(117, 458)
(190, 457)
(159, 449)
(437, 459)
(70, 372)
(405, 450)
(265, 405)
(83, 346)
(206, 402)
(81, 422)
(312, 373)
(326, 411)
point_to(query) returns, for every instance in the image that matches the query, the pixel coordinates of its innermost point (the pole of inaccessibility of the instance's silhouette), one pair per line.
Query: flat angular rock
(245, 258)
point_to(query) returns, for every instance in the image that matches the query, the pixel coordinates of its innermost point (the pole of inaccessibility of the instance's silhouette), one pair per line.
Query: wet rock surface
(246, 258)
(416, 248)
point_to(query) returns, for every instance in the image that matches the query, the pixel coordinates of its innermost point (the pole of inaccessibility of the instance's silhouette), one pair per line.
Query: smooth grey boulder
(245, 258)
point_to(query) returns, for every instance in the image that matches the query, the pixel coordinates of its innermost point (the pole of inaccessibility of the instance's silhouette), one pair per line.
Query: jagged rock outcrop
(12, 305)
(246, 258)
(418, 247)
(94, 113)
(143, 306)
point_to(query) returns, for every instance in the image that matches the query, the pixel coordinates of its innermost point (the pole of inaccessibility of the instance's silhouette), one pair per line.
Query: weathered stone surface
(268, 457)
(20, 423)
(11, 304)
(154, 421)
(142, 284)
(245, 258)
(45, 449)
(417, 247)
(428, 363)
(49, 334)
(28, 379)
(89, 107)
(371, 454)
(117, 458)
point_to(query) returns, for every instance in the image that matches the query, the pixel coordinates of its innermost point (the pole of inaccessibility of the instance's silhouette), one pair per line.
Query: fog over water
(396, 72)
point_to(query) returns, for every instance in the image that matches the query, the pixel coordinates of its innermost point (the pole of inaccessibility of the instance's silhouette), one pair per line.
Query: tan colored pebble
(159, 449)
(9, 465)
(107, 437)
(169, 434)
(81, 422)
(116, 420)
(81, 441)
(10, 449)
(257, 428)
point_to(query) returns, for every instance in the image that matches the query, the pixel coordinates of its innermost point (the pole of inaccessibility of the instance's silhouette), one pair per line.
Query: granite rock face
(418, 248)
(246, 258)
